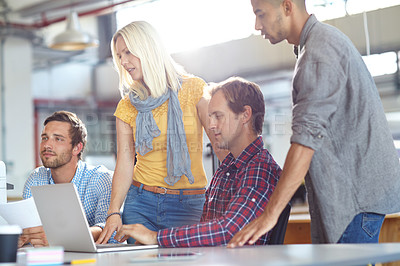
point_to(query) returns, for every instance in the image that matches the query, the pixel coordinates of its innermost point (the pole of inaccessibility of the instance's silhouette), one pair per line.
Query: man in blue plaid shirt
(242, 185)
(63, 140)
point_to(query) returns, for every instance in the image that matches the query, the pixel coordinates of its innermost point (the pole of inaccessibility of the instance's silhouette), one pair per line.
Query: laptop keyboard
(112, 245)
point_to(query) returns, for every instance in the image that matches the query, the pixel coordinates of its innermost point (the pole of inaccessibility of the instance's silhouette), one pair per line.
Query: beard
(222, 145)
(280, 34)
(58, 161)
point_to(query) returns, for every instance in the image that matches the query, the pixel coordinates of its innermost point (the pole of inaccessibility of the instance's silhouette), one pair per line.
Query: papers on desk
(22, 213)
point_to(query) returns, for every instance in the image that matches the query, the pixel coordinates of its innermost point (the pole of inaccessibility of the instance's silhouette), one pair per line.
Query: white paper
(22, 213)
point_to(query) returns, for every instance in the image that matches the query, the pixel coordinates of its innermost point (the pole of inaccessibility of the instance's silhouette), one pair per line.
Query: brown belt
(163, 190)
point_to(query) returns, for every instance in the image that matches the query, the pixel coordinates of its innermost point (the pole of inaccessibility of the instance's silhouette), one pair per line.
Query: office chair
(279, 230)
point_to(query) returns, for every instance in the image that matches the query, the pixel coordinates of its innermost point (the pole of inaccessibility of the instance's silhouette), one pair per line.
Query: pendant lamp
(73, 39)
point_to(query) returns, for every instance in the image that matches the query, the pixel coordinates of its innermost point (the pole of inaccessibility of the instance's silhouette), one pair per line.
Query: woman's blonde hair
(160, 71)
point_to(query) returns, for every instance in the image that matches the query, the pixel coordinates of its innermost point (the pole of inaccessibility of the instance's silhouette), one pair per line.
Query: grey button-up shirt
(338, 113)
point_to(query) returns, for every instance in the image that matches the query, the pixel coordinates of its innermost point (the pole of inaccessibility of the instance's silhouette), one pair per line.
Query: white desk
(328, 254)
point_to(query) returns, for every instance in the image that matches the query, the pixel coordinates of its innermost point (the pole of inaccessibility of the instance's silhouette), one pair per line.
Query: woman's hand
(113, 223)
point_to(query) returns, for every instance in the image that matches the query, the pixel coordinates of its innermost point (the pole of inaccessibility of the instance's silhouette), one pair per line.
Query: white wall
(18, 135)
(74, 81)
(278, 140)
(70, 81)
(106, 81)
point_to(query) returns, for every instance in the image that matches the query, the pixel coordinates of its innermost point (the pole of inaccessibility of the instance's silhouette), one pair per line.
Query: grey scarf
(178, 159)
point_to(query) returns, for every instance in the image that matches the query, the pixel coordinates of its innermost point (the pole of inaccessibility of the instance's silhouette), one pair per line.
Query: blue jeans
(159, 211)
(364, 228)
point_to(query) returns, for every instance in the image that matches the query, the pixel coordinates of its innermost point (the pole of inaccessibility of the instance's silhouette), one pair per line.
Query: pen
(80, 261)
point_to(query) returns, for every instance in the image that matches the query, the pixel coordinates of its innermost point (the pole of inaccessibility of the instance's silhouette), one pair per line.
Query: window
(190, 24)
(381, 64)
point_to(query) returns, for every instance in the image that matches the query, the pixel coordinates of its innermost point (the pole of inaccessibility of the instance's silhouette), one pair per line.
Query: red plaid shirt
(238, 193)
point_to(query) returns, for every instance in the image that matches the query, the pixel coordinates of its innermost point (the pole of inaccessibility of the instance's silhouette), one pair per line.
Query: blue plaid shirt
(93, 184)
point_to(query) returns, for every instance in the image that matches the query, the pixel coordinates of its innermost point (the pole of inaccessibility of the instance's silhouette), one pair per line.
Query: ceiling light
(73, 39)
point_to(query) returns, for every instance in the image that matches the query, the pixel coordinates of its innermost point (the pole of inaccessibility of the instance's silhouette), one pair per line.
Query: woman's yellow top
(151, 169)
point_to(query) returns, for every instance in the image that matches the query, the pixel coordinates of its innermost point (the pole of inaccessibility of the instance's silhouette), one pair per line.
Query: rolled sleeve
(316, 93)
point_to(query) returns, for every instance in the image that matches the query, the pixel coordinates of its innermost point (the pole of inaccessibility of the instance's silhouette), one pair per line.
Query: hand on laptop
(96, 231)
(33, 235)
(137, 231)
(113, 223)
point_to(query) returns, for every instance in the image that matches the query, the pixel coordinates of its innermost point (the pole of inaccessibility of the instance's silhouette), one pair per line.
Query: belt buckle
(165, 190)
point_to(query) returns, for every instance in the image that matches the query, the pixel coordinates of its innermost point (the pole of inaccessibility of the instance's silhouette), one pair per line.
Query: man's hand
(33, 235)
(96, 231)
(113, 224)
(252, 231)
(23, 240)
(296, 166)
(137, 231)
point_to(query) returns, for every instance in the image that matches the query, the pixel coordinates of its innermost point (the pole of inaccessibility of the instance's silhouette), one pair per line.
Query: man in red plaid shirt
(241, 186)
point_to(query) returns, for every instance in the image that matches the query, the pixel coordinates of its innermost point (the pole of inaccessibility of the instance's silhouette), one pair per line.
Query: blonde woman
(160, 117)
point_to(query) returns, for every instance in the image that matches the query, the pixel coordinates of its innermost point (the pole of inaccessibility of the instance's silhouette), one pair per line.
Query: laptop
(64, 220)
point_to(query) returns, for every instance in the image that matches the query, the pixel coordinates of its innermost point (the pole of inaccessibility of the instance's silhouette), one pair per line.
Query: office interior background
(213, 39)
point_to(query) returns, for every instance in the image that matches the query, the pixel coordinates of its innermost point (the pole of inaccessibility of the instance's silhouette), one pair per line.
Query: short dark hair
(240, 92)
(78, 132)
(299, 3)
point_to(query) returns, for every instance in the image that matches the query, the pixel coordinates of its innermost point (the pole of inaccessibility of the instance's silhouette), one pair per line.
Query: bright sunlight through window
(330, 9)
(190, 24)
(381, 64)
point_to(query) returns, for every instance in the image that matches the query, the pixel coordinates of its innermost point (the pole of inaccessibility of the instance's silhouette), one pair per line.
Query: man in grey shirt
(341, 142)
